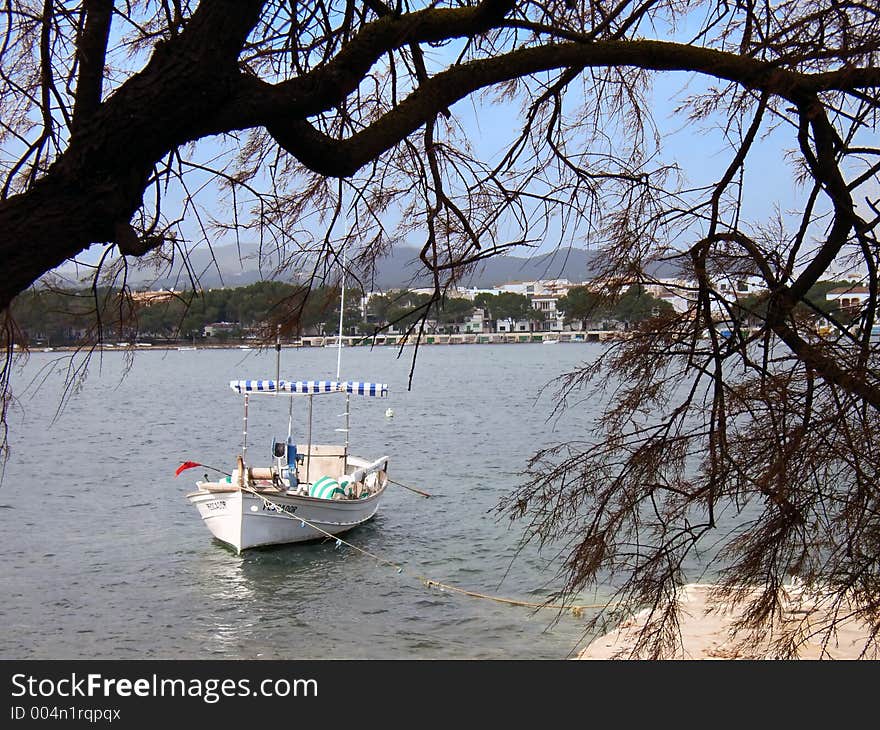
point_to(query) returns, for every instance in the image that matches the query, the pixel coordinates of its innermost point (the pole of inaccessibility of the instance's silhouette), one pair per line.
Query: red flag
(186, 465)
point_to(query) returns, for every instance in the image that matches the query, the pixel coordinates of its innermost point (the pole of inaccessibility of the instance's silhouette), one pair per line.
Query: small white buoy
(389, 413)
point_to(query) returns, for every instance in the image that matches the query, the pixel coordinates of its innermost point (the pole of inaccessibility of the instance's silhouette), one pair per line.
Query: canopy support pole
(309, 446)
(244, 431)
(347, 431)
(347, 426)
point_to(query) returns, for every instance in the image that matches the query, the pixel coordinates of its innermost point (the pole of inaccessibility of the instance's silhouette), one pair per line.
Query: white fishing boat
(309, 491)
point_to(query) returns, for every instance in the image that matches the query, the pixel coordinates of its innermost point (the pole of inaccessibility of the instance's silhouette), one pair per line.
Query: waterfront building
(148, 298)
(220, 328)
(849, 299)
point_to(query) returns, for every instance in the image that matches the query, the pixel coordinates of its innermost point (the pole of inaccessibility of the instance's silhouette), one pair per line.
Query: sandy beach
(705, 633)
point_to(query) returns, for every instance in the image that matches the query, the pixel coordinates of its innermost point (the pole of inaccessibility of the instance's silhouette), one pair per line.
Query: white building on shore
(849, 299)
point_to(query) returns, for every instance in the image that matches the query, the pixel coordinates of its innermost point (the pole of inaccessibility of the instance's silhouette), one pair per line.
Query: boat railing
(380, 465)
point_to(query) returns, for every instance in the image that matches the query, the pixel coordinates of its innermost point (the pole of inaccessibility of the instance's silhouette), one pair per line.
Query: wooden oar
(411, 489)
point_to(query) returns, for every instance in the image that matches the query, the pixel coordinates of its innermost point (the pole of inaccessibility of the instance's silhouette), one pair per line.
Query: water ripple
(127, 570)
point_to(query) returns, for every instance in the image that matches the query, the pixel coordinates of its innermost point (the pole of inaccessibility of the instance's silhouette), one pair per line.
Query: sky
(701, 152)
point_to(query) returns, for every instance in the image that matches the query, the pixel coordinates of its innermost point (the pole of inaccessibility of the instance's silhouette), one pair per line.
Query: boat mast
(278, 382)
(290, 418)
(277, 358)
(339, 359)
(341, 312)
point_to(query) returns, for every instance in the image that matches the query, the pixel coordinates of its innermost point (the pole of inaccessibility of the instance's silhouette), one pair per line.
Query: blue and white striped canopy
(308, 387)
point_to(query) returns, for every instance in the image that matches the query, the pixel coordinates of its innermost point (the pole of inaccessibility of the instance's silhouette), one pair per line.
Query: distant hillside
(401, 269)
(224, 266)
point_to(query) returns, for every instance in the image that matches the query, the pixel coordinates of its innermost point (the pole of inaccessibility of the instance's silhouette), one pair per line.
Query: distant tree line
(64, 316)
(582, 306)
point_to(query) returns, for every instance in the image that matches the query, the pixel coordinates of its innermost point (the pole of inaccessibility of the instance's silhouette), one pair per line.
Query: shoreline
(705, 625)
(330, 341)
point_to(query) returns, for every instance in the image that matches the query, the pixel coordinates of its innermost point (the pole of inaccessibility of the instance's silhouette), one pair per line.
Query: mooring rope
(575, 610)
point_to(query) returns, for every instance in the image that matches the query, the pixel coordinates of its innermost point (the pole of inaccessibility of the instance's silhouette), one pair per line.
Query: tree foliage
(338, 123)
(506, 305)
(454, 309)
(582, 305)
(65, 316)
(637, 304)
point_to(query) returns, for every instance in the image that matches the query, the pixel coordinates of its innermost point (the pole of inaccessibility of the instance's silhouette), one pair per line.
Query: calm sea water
(104, 558)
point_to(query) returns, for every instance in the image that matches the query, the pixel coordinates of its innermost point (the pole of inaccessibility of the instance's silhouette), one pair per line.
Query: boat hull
(245, 520)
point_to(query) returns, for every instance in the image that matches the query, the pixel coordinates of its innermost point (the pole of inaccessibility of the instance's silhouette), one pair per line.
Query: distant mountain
(232, 266)
(222, 266)
(403, 268)
(236, 266)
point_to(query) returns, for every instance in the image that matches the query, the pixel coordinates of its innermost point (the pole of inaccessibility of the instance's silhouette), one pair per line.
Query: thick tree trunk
(93, 189)
(42, 228)
(96, 186)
